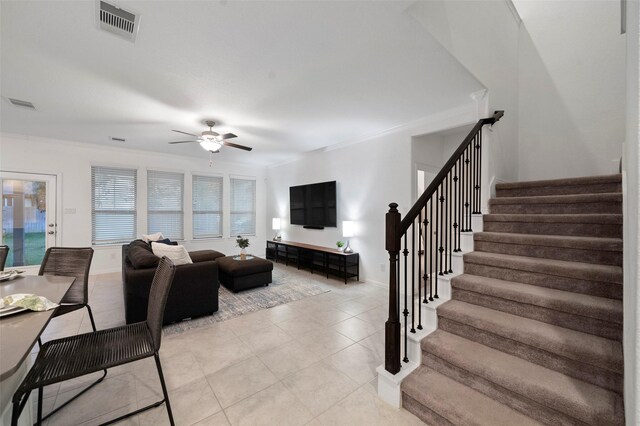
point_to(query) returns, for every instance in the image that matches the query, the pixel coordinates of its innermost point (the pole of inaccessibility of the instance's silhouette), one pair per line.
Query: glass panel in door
(28, 225)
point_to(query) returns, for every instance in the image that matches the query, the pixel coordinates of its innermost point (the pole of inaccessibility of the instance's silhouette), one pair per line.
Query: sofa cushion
(141, 257)
(239, 268)
(178, 254)
(204, 255)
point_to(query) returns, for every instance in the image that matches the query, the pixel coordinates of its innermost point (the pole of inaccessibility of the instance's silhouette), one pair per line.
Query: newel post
(392, 326)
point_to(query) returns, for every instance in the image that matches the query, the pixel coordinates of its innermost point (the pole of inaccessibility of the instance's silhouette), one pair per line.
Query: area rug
(288, 285)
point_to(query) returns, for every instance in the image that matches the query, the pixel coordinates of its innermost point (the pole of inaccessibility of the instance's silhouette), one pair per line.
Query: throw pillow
(142, 258)
(153, 237)
(178, 254)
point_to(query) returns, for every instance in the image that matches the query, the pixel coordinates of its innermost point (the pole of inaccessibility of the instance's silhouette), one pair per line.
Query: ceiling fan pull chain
(210, 158)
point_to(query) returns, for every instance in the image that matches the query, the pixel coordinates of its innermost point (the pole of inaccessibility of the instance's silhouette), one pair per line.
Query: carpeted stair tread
(457, 403)
(560, 268)
(575, 345)
(614, 197)
(558, 204)
(607, 219)
(583, 180)
(509, 374)
(574, 303)
(585, 243)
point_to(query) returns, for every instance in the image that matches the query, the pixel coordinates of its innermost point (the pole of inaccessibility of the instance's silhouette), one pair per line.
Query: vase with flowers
(243, 243)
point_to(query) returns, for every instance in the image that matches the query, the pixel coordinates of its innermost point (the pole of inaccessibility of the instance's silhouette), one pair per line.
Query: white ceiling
(286, 77)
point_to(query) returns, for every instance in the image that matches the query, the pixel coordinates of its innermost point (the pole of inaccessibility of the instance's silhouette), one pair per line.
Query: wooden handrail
(412, 214)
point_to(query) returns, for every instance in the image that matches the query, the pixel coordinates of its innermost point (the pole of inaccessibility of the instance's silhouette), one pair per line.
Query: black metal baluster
(431, 249)
(476, 174)
(421, 257)
(441, 234)
(413, 276)
(467, 203)
(405, 252)
(456, 223)
(450, 243)
(480, 171)
(446, 224)
(427, 254)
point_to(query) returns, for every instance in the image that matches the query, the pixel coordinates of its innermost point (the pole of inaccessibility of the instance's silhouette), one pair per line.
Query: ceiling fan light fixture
(210, 145)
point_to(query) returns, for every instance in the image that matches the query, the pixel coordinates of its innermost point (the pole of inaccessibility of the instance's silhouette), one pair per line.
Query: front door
(28, 217)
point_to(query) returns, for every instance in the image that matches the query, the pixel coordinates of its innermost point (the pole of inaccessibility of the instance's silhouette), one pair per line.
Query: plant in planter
(243, 243)
(339, 244)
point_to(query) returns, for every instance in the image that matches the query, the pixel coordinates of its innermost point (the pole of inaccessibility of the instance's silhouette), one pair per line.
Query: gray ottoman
(237, 275)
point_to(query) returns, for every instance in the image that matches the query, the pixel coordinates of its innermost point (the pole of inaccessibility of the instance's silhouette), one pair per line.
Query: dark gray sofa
(194, 291)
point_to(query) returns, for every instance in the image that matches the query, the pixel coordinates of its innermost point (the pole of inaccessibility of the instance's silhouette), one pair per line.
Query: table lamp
(347, 232)
(275, 225)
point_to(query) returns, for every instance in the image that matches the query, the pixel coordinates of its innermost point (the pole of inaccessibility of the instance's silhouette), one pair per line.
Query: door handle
(51, 232)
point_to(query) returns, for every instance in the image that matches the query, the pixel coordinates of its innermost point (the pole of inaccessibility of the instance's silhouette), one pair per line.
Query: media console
(328, 261)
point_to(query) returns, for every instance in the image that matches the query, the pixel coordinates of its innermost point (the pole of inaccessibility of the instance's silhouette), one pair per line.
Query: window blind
(164, 203)
(113, 205)
(207, 206)
(243, 207)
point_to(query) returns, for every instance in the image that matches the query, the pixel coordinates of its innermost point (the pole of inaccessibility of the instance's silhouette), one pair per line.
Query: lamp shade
(348, 228)
(275, 223)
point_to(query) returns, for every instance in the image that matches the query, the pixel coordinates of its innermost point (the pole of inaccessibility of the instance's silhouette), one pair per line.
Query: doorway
(28, 217)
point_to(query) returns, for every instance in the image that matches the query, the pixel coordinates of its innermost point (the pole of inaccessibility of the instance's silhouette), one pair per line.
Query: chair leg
(76, 396)
(93, 323)
(18, 406)
(164, 389)
(40, 396)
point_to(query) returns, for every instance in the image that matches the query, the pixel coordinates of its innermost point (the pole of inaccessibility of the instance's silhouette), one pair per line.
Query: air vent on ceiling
(22, 104)
(115, 139)
(118, 21)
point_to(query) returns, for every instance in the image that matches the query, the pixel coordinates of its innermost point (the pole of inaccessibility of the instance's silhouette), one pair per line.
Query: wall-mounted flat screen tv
(314, 205)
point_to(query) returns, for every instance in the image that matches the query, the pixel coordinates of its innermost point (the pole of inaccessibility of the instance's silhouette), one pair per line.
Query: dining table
(20, 331)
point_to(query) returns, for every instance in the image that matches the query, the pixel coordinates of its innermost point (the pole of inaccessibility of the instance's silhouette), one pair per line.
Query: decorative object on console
(339, 244)
(275, 225)
(243, 243)
(347, 232)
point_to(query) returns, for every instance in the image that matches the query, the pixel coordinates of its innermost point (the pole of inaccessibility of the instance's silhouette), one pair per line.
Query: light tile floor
(308, 362)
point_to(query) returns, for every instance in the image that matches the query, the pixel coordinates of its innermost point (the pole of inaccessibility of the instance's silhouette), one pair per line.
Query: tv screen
(313, 205)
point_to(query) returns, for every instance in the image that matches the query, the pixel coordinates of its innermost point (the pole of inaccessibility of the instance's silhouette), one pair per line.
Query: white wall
(571, 88)
(370, 174)
(483, 36)
(631, 173)
(72, 162)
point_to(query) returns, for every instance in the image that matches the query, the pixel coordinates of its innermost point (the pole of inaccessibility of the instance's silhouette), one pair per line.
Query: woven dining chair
(75, 356)
(4, 252)
(71, 262)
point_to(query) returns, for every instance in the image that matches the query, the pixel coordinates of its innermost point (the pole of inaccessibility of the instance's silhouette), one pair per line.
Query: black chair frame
(75, 356)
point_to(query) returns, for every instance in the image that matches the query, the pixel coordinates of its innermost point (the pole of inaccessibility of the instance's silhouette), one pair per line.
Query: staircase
(532, 333)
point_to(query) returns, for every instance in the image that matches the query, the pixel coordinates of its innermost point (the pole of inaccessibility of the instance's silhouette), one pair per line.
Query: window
(243, 207)
(164, 203)
(113, 205)
(207, 206)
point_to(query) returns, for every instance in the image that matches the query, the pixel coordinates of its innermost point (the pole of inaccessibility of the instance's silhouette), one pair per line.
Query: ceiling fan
(212, 141)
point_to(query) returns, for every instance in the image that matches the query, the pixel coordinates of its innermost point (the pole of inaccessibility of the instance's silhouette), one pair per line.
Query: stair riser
(605, 207)
(595, 326)
(518, 402)
(599, 257)
(422, 412)
(560, 190)
(571, 367)
(542, 228)
(594, 288)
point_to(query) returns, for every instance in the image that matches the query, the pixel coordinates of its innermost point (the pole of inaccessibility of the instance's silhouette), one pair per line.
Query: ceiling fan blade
(185, 133)
(228, 136)
(235, 145)
(171, 143)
